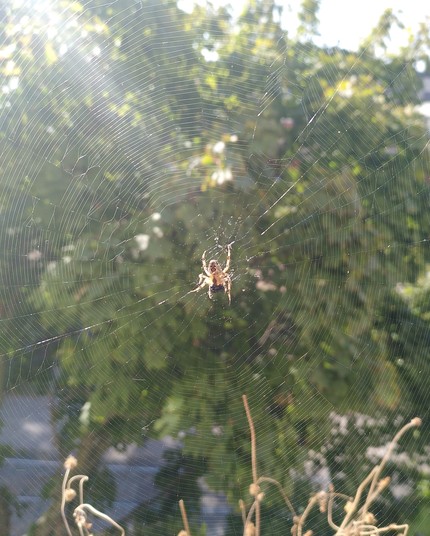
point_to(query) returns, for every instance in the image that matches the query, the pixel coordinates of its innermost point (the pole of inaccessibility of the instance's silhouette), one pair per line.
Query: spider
(215, 277)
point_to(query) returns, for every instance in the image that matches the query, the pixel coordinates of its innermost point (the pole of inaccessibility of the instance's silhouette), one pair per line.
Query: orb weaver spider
(215, 277)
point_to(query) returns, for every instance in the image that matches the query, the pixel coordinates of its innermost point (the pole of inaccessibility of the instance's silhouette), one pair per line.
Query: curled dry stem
(281, 491)
(246, 519)
(331, 496)
(80, 512)
(82, 479)
(81, 516)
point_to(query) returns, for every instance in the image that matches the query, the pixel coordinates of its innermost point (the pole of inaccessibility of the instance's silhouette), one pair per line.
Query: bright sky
(346, 22)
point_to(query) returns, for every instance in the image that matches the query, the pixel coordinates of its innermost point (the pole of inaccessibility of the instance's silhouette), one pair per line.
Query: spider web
(119, 169)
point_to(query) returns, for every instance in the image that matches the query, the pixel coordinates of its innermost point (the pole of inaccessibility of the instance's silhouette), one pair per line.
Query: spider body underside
(215, 277)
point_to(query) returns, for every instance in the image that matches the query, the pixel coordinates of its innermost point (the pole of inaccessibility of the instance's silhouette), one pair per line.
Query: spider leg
(204, 265)
(227, 288)
(201, 283)
(227, 264)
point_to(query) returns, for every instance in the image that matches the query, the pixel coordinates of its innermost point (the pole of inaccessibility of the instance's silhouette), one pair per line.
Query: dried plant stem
(253, 462)
(249, 516)
(243, 511)
(357, 521)
(301, 520)
(184, 517)
(280, 489)
(80, 512)
(330, 512)
(393, 526)
(81, 488)
(331, 496)
(82, 479)
(356, 500)
(63, 502)
(372, 494)
(376, 486)
(363, 529)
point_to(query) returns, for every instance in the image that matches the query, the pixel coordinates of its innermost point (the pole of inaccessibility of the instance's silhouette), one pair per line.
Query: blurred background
(137, 135)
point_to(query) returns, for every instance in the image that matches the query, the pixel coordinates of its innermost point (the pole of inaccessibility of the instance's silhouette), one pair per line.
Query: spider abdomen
(217, 288)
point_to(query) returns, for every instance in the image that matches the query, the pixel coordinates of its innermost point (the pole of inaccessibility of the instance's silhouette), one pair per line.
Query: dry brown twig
(254, 488)
(358, 521)
(187, 531)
